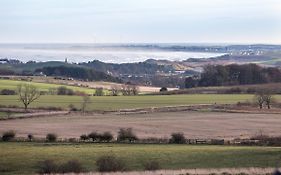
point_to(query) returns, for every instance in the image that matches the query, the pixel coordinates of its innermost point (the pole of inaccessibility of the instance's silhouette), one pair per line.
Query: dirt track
(193, 124)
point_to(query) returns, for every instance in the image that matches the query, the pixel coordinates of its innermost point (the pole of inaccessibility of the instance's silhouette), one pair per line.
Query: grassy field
(23, 158)
(12, 84)
(126, 102)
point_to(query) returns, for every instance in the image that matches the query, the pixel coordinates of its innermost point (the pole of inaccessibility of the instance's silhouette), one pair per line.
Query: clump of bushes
(62, 90)
(126, 134)
(178, 138)
(97, 137)
(8, 136)
(51, 137)
(84, 137)
(152, 165)
(110, 163)
(50, 167)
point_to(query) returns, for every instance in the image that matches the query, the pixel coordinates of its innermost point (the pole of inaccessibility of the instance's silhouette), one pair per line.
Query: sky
(140, 21)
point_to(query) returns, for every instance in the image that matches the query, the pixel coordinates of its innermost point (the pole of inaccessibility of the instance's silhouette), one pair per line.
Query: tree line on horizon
(234, 74)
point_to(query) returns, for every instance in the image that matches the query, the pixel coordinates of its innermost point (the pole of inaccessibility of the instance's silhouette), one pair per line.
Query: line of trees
(220, 75)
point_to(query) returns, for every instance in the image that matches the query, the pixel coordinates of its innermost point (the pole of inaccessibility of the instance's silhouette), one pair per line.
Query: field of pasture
(23, 158)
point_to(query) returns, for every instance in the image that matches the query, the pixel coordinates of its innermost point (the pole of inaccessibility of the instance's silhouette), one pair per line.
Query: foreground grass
(22, 158)
(127, 102)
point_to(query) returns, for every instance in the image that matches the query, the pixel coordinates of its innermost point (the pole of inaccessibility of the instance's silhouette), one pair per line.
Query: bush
(109, 163)
(106, 136)
(48, 167)
(163, 89)
(84, 137)
(177, 138)
(30, 137)
(72, 166)
(62, 90)
(72, 108)
(8, 135)
(99, 92)
(51, 137)
(152, 165)
(94, 136)
(8, 92)
(126, 134)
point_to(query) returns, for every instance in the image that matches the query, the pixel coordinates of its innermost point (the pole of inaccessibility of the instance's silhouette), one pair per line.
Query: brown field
(193, 124)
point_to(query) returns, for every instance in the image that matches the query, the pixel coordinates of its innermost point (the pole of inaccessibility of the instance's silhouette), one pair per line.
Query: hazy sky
(95, 21)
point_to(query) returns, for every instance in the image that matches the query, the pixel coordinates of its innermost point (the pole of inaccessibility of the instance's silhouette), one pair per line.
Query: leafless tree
(259, 99)
(267, 97)
(27, 94)
(85, 101)
(264, 96)
(114, 90)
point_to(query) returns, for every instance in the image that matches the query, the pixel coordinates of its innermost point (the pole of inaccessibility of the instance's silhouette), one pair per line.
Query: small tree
(27, 94)
(259, 99)
(85, 100)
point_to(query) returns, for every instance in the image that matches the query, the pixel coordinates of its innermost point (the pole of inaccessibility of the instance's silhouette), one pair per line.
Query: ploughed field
(193, 124)
(129, 102)
(23, 158)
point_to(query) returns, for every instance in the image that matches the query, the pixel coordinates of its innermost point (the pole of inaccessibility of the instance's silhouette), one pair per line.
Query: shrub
(8, 92)
(84, 137)
(94, 136)
(152, 165)
(99, 92)
(51, 137)
(8, 135)
(48, 167)
(177, 138)
(163, 89)
(72, 108)
(106, 136)
(72, 166)
(30, 137)
(62, 90)
(126, 134)
(109, 163)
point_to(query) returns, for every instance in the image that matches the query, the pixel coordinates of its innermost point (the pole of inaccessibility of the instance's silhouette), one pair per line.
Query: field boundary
(200, 171)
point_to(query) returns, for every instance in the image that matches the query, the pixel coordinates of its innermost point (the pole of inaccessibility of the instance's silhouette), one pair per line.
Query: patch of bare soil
(205, 125)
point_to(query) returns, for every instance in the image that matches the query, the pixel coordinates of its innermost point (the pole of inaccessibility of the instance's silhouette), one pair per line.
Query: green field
(127, 102)
(23, 158)
(12, 84)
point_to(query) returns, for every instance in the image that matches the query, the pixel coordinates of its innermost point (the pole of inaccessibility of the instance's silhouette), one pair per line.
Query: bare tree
(267, 99)
(259, 99)
(264, 97)
(86, 99)
(27, 94)
(115, 90)
(135, 90)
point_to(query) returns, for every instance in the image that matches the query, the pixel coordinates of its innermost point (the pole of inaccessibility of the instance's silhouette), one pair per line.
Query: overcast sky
(137, 21)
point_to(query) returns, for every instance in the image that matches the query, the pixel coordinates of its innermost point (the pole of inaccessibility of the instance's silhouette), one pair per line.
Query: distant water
(88, 52)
